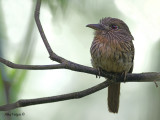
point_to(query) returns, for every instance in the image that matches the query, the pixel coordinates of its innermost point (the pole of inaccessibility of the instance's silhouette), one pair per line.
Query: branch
(30, 67)
(143, 77)
(75, 95)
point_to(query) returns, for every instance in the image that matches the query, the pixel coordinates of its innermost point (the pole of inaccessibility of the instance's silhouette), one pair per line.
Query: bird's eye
(115, 27)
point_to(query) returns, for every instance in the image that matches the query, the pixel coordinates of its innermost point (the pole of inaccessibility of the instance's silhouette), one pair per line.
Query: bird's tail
(113, 97)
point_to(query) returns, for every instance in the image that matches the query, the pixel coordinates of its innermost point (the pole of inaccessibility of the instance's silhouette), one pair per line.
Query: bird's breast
(111, 55)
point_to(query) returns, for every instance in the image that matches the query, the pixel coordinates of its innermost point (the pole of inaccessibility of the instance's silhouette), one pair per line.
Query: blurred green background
(64, 23)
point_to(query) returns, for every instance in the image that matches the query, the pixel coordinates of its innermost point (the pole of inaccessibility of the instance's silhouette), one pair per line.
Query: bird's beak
(95, 26)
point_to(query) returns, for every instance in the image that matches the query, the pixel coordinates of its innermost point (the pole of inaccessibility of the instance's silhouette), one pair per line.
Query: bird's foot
(123, 75)
(155, 83)
(99, 72)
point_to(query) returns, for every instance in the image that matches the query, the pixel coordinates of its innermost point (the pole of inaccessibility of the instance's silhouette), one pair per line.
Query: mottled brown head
(112, 27)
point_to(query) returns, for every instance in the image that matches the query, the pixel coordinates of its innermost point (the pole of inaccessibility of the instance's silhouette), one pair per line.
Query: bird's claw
(156, 83)
(99, 73)
(123, 75)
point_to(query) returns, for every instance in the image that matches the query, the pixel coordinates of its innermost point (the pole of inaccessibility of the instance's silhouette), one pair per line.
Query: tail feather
(113, 97)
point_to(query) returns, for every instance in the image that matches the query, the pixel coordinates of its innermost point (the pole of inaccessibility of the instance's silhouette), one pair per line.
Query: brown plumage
(112, 50)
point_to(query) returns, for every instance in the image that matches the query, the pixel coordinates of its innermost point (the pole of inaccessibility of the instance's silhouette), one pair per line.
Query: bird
(112, 50)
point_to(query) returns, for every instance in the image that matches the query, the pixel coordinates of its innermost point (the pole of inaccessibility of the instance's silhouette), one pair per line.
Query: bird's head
(111, 26)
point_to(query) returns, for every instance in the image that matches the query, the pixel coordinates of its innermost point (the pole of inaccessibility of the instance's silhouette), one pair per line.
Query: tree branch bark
(140, 77)
(75, 95)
